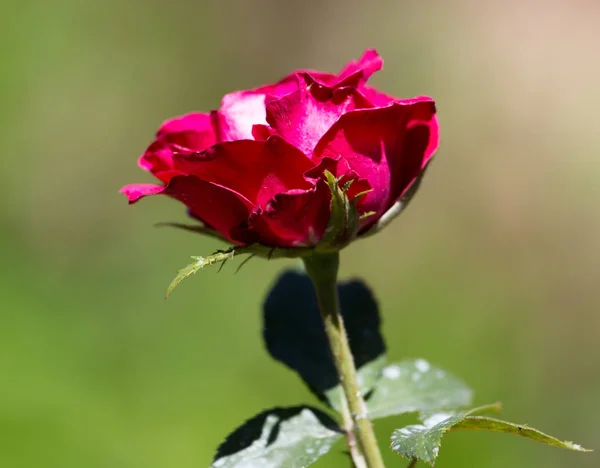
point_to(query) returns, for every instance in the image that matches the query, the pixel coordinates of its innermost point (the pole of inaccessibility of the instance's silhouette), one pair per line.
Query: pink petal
(198, 122)
(387, 146)
(157, 159)
(377, 98)
(134, 192)
(357, 73)
(239, 112)
(303, 117)
(258, 170)
(281, 88)
(184, 134)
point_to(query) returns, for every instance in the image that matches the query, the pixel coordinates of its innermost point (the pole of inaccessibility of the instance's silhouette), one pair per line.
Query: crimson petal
(357, 73)
(387, 146)
(187, 133)
(297, 218)
(257, 170)
(218, 208)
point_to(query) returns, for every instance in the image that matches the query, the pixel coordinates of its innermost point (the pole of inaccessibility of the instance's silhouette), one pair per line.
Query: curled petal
(376, 97)
(262, 132)
(354, 75)
(281, 88)
(197, 122)
(134, 192)
(357, 73)
(185, 134)
(218, 208)
(388, 146)
(297, 218)
(257, 170)
(303, 116)
(158, 159)
(239, 112)
(397, 207)
(422, 138)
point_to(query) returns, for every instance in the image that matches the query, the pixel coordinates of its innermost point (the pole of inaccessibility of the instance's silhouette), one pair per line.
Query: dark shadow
(293, 329)
(251, 430)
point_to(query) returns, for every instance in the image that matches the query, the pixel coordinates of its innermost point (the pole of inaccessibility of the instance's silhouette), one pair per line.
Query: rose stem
(358, 458)
(323, 270)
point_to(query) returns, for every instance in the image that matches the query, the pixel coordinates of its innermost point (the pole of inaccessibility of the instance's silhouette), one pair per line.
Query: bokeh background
(492, 272)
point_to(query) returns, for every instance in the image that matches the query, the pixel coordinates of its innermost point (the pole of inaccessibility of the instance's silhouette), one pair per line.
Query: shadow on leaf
(299, 434)
(293, 329)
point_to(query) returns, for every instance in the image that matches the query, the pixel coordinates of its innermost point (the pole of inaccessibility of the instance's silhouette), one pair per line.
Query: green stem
(358, 459)
(323, 270)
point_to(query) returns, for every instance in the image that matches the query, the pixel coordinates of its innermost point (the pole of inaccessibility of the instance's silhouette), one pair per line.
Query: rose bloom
(254, 170)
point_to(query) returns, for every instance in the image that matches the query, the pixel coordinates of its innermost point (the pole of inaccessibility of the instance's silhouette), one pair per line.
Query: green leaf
(368, 375)
(491, 424)
(416, 385)
(422, 441)
(291, 437)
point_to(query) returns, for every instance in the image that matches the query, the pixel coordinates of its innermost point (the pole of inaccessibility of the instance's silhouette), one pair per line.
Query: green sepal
(344, 221)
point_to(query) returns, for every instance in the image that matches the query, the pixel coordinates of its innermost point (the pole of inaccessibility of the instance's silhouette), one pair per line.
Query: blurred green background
(492, 273)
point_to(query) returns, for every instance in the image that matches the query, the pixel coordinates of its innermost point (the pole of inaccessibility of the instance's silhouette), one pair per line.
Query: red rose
(254, 170)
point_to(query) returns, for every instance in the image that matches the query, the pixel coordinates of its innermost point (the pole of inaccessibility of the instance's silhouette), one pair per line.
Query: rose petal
(284, 86)
(239, 112)
(187, 133)
(303, 117)
(258, 170)
(357, 73)
(381, 145)
(377, 98)
(217, 207)
(134, 192)
(157, 159)
(297, 218)
(422, 137)
(262, 132)
(340, 169)
(198, 122)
